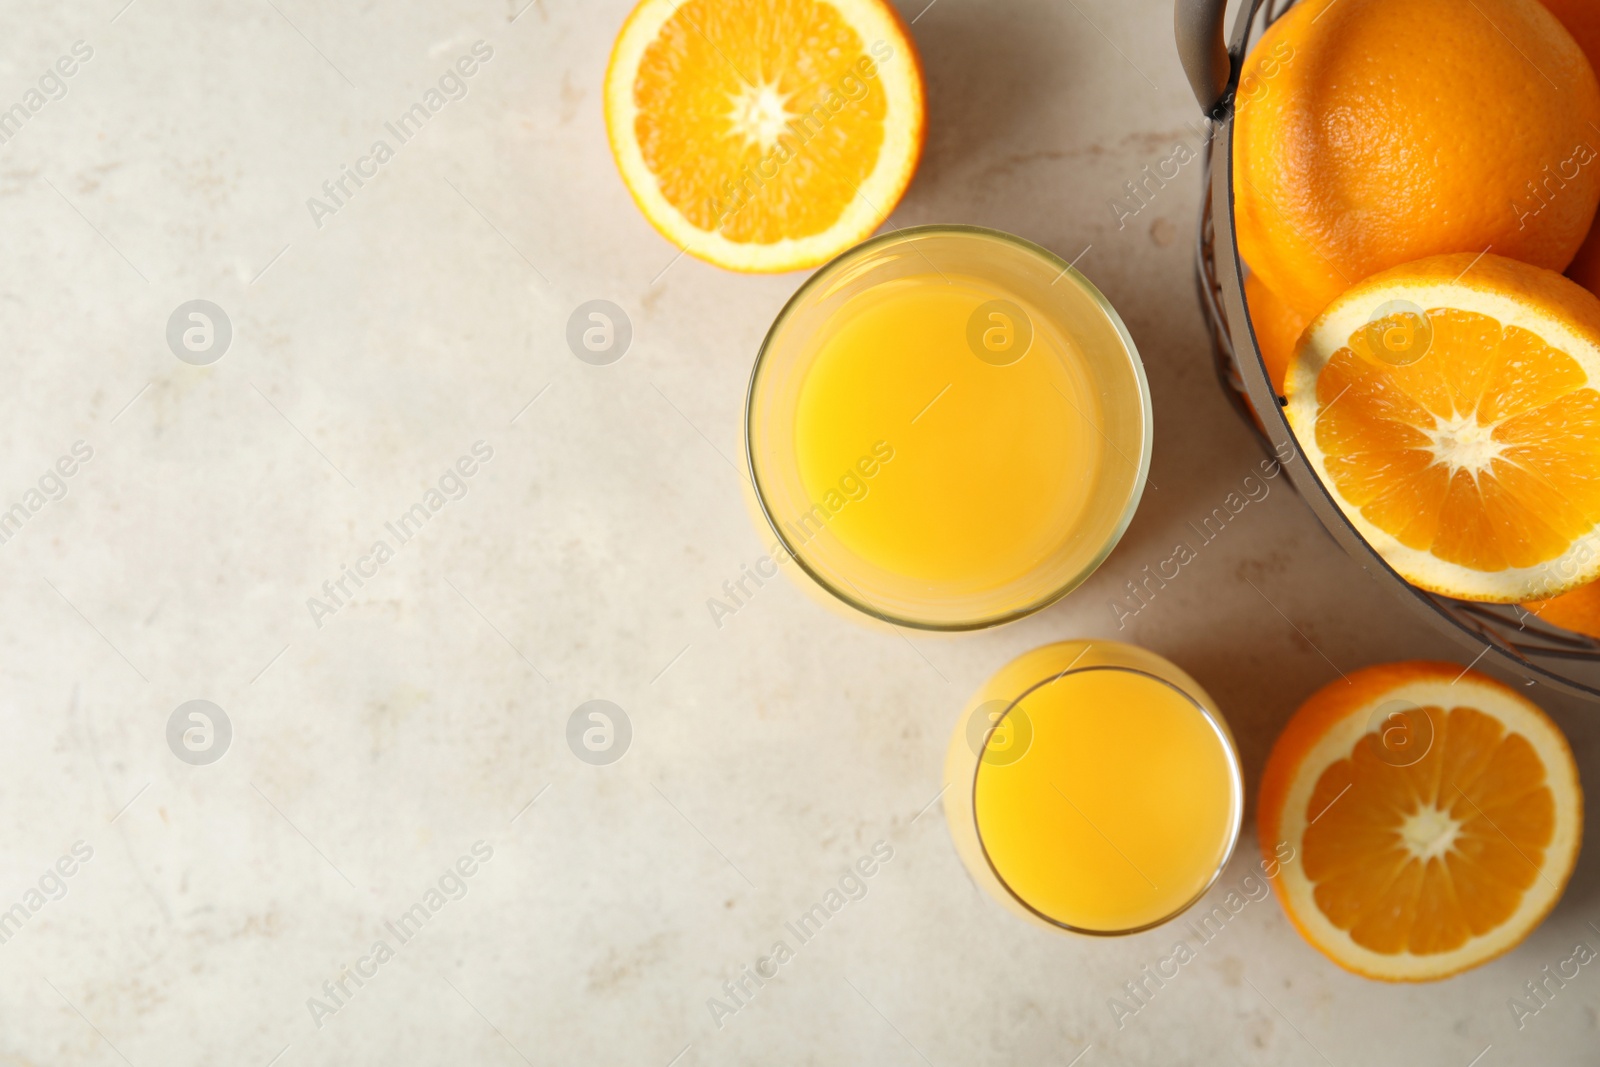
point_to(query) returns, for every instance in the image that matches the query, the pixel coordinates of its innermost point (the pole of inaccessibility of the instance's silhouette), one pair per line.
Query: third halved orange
(1434, 813)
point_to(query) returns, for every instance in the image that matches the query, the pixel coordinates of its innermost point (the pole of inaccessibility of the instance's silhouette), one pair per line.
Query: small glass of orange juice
(948, 427)
(1093, 787)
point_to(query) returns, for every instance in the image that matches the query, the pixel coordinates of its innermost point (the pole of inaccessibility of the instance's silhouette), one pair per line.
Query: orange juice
(993, 464)
(948, 427)
(1093, 786)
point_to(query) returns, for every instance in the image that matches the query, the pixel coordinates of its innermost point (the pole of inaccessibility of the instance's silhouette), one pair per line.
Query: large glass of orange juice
(1093, 787)
(948, 427)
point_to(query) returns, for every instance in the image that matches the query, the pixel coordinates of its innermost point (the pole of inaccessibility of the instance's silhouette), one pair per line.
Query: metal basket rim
(1512, 638)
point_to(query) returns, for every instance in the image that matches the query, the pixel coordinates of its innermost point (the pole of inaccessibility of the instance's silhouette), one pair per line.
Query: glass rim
(1130, 352)
(1236, 795)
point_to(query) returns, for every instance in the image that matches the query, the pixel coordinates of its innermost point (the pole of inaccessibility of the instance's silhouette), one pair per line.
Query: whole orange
(1578, 610)
(1278, 328)
(1371, 133)
(1585, 266)
(1582, 20)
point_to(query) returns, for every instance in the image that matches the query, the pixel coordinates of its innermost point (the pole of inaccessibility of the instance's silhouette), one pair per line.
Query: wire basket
(1505, 635)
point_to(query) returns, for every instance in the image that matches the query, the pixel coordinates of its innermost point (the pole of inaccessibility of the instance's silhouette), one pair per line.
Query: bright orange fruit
(1582, 20)
(765, 135)
(1376, 132)
(1585, 266)
(1278, 328)
(1578, 611)
(1434, 815)
(1452, 407)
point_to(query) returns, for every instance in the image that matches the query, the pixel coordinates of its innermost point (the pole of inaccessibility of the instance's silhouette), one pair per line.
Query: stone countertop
(416, 730)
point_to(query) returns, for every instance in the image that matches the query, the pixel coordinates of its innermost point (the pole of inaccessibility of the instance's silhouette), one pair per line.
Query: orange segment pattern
(1466, 453)
(777, 140)
(1422, 858)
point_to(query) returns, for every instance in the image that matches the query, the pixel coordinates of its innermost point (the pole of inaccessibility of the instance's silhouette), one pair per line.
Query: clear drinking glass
(948, 428)
(1093, 787)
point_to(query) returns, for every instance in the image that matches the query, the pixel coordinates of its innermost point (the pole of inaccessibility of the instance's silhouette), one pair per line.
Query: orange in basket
(1278, 328)
(1452, 408)
(1379, 132)
(1578, 611)
(1582, 20)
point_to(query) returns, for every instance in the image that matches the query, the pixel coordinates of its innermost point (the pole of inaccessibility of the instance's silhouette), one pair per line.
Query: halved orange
(1452, 407)
(1422, 819)
(765, 135)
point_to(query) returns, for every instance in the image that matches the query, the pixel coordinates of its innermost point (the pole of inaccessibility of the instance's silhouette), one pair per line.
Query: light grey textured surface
(368, 755)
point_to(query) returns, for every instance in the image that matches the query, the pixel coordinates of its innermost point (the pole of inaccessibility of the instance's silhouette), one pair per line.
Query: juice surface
(1119, 810)
(993, 465)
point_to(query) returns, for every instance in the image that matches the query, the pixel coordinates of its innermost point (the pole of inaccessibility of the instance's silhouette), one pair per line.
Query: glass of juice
(948, 427)
(1093, 787)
